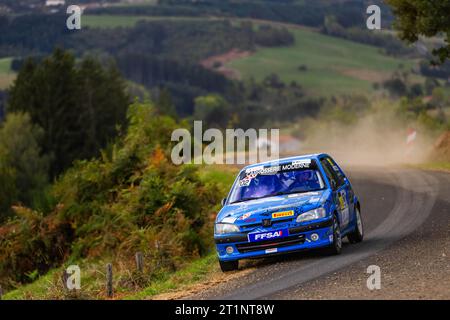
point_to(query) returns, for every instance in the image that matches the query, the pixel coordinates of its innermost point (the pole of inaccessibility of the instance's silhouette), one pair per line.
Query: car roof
(314, 156)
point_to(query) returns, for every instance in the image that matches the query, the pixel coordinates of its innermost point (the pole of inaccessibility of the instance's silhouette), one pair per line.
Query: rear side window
(329, 172)
(338, 173)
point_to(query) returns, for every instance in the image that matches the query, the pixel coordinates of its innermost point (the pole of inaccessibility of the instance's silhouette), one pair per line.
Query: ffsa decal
(260, 236)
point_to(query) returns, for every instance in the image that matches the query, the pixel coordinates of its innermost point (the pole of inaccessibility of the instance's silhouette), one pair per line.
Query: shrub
(131, 199)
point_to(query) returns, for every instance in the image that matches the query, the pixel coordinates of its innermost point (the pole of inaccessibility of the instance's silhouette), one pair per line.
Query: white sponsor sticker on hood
(228, 220)
(244, 216)
(303, 194)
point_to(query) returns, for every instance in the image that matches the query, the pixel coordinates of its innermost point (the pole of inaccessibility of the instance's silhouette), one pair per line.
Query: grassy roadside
(49, 286)
(197, 271)
(434, 166)
(128, 284)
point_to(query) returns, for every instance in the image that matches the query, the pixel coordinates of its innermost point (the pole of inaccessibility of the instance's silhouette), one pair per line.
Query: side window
(329, 172)
(338, 173)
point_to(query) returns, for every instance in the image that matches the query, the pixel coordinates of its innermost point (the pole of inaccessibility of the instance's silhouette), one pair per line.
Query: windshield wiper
(281, 193)
(246, 199)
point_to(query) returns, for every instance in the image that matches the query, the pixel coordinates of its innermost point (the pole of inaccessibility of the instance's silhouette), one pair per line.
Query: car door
(348, 186)
(340, 191)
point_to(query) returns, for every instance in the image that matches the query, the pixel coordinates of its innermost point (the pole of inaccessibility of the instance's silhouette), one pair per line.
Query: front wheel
(358, 234)
(336, 246)
(227, 266)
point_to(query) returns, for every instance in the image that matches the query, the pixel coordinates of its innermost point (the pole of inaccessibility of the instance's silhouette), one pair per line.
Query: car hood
(253, 211)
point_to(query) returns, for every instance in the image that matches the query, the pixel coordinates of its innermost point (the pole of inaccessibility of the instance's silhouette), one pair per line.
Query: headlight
(312, 215)
(222, 228)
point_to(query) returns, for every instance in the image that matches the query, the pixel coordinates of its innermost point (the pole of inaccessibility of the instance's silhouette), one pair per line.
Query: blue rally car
(287, 205)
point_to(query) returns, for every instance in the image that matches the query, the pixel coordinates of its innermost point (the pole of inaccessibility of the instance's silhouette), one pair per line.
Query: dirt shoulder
(417, 267)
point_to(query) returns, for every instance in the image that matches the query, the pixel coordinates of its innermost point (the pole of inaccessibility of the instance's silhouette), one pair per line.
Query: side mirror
(223, 201)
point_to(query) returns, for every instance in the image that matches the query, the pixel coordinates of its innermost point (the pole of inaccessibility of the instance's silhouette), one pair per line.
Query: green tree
(213, 109)
(165, 104)
(430, 84)
(439, 97)
(426, 18)
(8, 190)
(397, 85)
(23, 168)
(103, 105)
(78, 106)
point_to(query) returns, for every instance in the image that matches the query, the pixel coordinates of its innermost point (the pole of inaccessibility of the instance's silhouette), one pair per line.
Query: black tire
(227, 266)
(336, 247)
(358, 234)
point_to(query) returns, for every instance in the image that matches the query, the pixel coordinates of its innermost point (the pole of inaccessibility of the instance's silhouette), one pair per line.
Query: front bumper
(299, 238)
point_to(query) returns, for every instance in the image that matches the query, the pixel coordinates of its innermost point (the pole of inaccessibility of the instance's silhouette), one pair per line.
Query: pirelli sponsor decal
(282, 214)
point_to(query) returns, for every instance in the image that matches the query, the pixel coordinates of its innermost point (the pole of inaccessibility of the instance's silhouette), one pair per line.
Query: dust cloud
(374, 140)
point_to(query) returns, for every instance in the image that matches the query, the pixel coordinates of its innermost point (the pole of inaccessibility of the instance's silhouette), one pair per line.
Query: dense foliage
(391, 44)
(2, 104)
(152, 71)
(310, 13)
(441, 71)
(423, 18)
(131, 199)
(182, 40)
(23, 168)
(31, 34)
(79, 106)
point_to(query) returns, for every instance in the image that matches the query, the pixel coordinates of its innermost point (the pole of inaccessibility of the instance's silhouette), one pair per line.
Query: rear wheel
(358, 234)
(336, 246)
(227, 266)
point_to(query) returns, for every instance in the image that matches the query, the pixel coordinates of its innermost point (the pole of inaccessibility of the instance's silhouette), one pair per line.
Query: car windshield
(296, 177)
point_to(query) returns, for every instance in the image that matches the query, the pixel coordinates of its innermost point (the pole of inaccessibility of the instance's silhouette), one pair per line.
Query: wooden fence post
(64, 279)
(109, 280)
(158, 252)
(139, 262)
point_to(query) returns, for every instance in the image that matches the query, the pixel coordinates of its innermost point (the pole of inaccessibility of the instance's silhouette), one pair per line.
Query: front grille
(270, 244)
(273, 223)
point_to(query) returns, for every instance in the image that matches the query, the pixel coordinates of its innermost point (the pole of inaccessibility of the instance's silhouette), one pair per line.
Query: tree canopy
(78, 105)
(23, 168)
(423, 18)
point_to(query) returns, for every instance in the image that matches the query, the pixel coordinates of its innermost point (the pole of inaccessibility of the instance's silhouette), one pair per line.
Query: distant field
(6, 75)
(5, 65)
(136, 3)
(333, 65)
(109, 21)
(112, 21)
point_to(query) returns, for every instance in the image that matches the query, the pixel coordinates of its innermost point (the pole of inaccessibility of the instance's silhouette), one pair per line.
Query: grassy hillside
(112, 21)
(5, 65)
(6, 75)
(333, 65)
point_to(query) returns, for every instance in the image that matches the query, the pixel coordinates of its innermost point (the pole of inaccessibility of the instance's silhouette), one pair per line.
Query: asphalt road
(395, 203)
